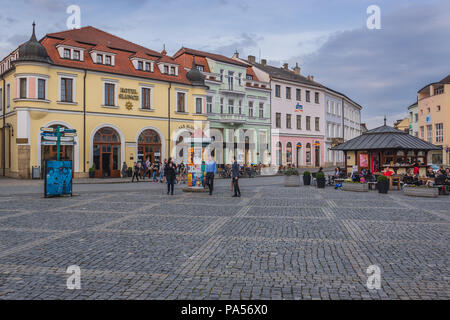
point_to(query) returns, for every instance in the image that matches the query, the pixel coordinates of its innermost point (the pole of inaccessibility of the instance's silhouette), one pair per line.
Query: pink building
(297, 115)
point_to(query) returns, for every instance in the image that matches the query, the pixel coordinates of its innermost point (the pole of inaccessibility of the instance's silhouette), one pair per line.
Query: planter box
(292, 181)
(355, 187)
(421, 192)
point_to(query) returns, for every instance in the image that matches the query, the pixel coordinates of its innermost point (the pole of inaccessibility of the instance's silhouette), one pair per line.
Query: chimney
(263, 62)
(251, 59)
(164, 52)
(285, 66)
(297, 69)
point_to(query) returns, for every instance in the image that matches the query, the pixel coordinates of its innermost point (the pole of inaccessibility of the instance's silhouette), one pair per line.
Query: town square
(224, 150)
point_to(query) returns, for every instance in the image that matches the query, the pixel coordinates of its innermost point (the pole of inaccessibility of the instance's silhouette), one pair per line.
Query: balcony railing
(233, 118)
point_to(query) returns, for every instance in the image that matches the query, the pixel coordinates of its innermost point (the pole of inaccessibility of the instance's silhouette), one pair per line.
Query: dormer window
(200, 68)
(140, 65)
(172, 71)
(147, 66)
(99, 58)
(66, 53)
(249, 77)
(166, 69)
(76, 55)
(108, 60)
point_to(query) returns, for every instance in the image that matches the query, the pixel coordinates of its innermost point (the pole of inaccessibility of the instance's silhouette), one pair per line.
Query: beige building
(434, 118)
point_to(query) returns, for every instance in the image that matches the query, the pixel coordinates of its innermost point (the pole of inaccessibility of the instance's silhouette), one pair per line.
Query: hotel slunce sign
(128, 94)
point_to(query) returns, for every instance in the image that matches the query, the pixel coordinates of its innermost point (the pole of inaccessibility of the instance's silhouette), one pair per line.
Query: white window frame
(263, 110)
(212, 104)
(146, 86)
(186, 107)
(74, 88)
(8, 96)
(116, 93)
(46, 88)
(1, 99)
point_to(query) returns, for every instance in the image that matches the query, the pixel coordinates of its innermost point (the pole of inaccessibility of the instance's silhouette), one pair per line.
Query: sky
(382, 70)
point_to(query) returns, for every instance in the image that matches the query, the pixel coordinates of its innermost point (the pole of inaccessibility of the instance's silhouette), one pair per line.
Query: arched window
(289, 152)
(149, 146)
(106, 153)
(308, 154)
(279, 153)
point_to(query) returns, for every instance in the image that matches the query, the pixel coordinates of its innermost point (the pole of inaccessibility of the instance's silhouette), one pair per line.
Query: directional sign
(68, 130)
(52, 138)
(53, 143)
(69, 134)
(47, 129)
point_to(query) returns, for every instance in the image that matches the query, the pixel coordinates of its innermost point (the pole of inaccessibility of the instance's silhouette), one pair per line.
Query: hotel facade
(126, 102)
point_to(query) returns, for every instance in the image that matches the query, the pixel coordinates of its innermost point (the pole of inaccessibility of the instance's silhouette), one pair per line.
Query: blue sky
(380, 69)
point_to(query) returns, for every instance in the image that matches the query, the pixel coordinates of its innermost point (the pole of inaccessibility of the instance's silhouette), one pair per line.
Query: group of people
(155, 171)
(171, 173)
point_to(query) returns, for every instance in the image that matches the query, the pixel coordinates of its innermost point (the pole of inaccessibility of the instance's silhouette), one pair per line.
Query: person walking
(155, 172)
(235, 176)
(211, 170)
(170, 173)
(135, 172)
(124, 170)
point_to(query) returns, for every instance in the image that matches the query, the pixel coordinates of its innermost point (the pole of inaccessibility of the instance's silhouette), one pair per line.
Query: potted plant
(291, 178)
(92, 171)
(306, 178)
(421, 191)
(320, 180)
(130, 172)
(382, 184)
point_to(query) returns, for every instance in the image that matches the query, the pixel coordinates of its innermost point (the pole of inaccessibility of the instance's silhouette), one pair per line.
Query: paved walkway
(132, 241)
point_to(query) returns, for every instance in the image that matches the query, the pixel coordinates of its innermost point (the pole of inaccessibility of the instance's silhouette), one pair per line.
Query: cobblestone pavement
(136, 242)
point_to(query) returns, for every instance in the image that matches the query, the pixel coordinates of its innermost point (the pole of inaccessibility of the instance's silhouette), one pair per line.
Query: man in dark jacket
(170, 173)
(135, 172)
(235, 176)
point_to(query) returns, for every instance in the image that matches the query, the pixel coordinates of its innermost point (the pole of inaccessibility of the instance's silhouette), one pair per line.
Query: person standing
(135, 172)
(211, 170)
(124, 170)
(170, 173)
(235, 176)
(162, 174)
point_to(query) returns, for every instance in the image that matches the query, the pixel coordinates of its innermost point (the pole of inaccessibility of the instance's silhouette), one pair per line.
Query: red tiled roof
(252, 73)
(102, 48)
(167, 59)
(122, 66)
(94, 36)
(186, 61)
(71, 43)
(142, 55)
(213, 56)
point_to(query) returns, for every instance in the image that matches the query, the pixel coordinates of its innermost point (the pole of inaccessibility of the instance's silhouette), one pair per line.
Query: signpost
(58, 174)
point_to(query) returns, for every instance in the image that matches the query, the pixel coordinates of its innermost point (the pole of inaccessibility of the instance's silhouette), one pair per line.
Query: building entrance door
(106, 153)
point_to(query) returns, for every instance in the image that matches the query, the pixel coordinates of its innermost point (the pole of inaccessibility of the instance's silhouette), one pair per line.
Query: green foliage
(291, 172)
(320, 175)
(92, 169)
(306, 174)
(382, 179)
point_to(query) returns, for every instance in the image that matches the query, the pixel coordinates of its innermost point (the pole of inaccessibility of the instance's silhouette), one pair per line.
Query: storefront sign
(128, 94)
(186, 126)
(299, 145)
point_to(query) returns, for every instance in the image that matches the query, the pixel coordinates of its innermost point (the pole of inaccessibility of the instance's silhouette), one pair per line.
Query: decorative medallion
(129, 105)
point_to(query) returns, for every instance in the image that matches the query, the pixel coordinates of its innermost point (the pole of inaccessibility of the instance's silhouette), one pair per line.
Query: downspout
(4, 129)
(168, 112)
(84, 121)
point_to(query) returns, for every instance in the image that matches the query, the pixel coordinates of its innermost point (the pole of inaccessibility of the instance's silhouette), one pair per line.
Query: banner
(58, 178)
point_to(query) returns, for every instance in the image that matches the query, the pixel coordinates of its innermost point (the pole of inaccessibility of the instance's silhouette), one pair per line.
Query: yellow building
(126, 102)
(434, 118)
(402, 125)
